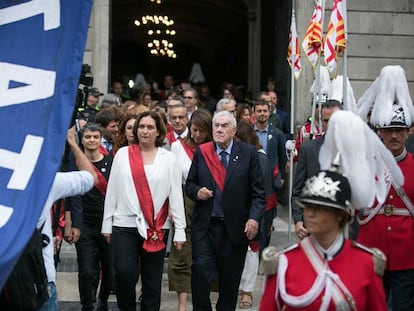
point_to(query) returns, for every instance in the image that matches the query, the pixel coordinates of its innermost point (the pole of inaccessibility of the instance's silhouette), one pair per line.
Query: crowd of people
(181, 174)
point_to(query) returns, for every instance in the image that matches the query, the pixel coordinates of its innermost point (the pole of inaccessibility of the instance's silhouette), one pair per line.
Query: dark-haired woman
(145, 181)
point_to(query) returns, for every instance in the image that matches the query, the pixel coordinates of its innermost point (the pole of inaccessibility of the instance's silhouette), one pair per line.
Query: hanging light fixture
(160, 32)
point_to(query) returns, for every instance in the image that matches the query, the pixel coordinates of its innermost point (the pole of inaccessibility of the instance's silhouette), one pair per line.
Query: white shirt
(183, 161)
(182, 135)
(122, 208)
(64, 185)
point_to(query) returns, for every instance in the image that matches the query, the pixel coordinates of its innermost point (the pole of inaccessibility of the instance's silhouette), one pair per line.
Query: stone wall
(380, 33)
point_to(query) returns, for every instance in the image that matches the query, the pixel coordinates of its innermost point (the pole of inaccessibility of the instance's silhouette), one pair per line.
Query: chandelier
(160, 32)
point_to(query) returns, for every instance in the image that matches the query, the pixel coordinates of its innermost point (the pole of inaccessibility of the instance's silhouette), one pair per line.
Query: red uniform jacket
(352, 264)
(394, 235)
(305, 135)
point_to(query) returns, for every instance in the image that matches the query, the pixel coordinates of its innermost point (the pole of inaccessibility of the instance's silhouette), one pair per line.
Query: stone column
(98, 48)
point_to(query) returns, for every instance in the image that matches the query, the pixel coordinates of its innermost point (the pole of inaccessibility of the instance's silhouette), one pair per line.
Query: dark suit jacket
(307, 165)
(243, 195)
(284, 119)
(275, 121)
(276, 152)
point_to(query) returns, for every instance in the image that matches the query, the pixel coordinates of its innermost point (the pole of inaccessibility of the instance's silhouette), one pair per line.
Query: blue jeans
(51, 303)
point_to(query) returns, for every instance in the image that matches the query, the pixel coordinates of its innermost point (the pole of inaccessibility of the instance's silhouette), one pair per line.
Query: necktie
(223, 158)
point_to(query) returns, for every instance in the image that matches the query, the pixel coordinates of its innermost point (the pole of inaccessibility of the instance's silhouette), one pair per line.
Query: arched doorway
(212, 33)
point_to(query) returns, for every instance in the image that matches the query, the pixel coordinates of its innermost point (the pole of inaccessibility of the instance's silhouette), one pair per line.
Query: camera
(85, 82)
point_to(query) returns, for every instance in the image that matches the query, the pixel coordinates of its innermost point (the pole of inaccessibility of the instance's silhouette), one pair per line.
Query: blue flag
(41, 51)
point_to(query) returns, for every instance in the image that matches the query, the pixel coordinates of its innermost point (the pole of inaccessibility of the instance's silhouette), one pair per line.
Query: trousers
(131, 261)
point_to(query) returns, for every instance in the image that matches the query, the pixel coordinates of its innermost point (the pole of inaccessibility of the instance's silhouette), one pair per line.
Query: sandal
(246, 301)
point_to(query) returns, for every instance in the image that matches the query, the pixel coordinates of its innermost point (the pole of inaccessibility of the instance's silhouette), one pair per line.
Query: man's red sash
(213, 163)
(155, 234)
(271, 201)
(102, 181)
(170, 137)
(188, 149)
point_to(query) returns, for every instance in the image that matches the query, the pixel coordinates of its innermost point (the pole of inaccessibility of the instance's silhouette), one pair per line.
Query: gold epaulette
(270, 259)
(378, 257)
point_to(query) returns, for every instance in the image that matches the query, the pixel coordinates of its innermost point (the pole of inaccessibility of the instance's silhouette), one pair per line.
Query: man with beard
(273, 142)
(108, 119)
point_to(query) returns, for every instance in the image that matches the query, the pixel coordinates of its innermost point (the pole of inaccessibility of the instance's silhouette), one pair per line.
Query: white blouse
(183, 161)
(122, 208)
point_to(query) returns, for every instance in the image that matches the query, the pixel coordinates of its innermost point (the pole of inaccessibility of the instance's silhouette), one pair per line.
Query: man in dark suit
(273, 142)
(308, 165)
(226, 182)
(283, 115)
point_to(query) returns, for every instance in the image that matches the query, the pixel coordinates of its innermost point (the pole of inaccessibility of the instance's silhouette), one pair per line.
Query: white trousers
(249, 275)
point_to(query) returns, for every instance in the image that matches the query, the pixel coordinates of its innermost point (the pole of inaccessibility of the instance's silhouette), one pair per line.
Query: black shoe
(101, 306)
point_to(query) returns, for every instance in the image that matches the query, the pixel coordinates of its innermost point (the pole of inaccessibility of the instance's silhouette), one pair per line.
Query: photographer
(91, 107)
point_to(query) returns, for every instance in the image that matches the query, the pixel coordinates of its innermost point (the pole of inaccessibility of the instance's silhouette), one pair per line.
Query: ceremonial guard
(389, 223)
(312, 129)
(326, 271)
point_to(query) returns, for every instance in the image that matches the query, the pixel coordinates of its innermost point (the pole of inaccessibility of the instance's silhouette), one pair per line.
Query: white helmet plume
(336, 92)
(365, 161)
(324, 83)
(389, 98)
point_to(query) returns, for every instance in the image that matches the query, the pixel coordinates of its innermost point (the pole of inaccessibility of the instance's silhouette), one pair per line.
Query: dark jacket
(243, 195)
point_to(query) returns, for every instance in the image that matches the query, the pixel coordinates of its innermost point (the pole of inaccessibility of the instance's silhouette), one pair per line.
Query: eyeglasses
(188, 97)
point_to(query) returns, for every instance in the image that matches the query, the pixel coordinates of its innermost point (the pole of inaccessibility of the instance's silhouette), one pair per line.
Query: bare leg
(182, 301)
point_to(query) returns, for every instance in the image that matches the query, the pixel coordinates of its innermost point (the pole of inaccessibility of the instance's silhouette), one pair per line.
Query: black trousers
(131, 260)
(216, 256)
(93, 251)
(399, 289)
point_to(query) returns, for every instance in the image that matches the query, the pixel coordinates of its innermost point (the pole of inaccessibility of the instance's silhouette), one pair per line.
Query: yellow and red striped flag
(293, 55)
(335, 37)
(312, 42)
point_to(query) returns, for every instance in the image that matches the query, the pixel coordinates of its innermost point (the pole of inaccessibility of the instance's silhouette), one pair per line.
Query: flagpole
(292, 133)
(318, 82)
(344, 60)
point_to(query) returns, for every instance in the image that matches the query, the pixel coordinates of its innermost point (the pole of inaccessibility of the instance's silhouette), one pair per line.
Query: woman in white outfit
(145, 182)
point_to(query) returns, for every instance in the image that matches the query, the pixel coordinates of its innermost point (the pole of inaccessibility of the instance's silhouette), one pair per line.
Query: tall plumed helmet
(363, 158)
(389, 98)
(336, 92)
(324, 84)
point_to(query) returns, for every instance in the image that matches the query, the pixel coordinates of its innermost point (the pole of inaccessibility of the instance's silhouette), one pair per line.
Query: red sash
(103, 151)
(155, 234)
(271, 200)
(102, 181)
(188, 149)
(170, 137)
(275, 171)
(213, 163)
